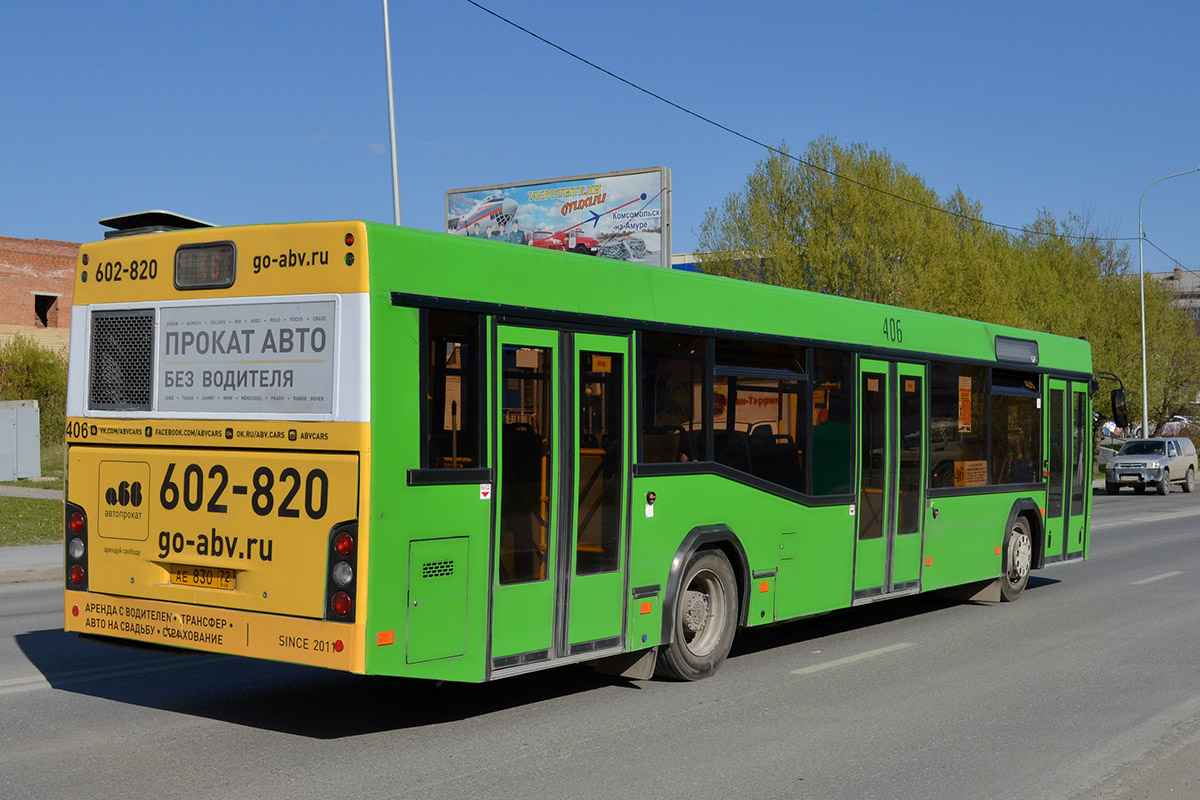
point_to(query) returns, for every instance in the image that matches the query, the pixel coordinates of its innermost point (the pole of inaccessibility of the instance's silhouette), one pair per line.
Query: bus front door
(1058, 445)
(1067, 437)
(891, 480)
(561, 416)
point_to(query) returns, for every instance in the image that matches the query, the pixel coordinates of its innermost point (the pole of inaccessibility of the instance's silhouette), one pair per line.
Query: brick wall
(32, 273)
(56, 339)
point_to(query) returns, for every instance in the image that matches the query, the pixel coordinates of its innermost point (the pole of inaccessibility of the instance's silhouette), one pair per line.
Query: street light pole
(387, 50)
(1142, 281)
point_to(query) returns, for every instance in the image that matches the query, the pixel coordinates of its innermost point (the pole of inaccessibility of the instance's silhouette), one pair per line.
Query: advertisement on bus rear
(250, 357)
(619, 215)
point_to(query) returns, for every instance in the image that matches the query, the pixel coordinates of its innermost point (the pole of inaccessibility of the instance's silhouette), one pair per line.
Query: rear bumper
(295, 640)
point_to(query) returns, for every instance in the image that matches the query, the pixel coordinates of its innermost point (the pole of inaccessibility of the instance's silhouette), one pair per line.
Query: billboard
(621, 215)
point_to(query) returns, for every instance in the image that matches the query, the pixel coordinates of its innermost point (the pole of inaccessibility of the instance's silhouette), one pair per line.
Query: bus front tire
(1019, 561)
(705, 619)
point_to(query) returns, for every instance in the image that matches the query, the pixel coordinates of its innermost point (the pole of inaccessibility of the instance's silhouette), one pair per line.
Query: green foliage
(31, 372)
(795, 225)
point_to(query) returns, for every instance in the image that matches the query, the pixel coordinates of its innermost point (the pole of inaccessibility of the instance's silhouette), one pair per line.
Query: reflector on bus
(205, 266)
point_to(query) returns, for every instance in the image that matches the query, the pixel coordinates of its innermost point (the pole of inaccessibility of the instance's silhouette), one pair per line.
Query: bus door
(598, 529)
(1067, 441)
(891, 479)
(1057, 446)
(561, 409)
(1081, 477)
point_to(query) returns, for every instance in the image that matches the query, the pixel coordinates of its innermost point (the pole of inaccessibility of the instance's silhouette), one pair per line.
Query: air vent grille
(437, 569)
(121, 375)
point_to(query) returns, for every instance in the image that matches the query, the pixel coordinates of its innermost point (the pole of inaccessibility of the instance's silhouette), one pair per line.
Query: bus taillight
(76, 542)
(340, 604)
(341, 576)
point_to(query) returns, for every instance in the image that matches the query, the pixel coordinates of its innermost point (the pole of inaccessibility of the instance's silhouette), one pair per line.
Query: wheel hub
(1020, 555)
(696, 613)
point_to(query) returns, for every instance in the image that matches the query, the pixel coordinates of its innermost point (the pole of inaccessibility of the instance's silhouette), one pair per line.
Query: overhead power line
(776, 151)
(1174, 260)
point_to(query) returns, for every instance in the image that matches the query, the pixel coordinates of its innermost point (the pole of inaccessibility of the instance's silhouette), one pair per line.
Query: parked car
(563, 241)
(1152, 462)
(1175, 426)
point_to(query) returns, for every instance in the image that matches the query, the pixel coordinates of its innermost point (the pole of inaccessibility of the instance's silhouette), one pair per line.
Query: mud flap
(980, 592)
(638, 666)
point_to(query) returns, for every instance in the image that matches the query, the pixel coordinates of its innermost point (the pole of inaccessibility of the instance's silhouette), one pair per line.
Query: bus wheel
(1164, 483)
(705, 619)
(1020, 558)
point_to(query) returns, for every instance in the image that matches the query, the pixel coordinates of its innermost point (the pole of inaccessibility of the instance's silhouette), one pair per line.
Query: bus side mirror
(1120, 414)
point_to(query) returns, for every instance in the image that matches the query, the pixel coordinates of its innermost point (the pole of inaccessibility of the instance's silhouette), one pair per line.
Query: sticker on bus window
(601, 363)
(970, 473)
(910, 385)
(964, 403)
(527, 358)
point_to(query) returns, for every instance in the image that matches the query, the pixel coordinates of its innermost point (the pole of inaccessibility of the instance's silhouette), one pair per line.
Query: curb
(31, 563)
(36, 575)
(31, 492)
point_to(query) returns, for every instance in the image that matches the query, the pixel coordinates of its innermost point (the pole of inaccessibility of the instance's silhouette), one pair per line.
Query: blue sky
(239, 112)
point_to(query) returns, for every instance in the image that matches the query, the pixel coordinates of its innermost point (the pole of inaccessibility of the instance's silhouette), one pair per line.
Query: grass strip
(29, 521)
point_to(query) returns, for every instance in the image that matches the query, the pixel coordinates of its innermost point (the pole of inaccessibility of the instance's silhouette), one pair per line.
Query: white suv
(1157, 462)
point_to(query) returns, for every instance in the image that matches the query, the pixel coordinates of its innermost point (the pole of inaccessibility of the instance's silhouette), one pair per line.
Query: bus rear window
(451, 388)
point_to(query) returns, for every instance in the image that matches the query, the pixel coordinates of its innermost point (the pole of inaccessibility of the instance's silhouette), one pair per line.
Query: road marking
(1165, 575)
(59, 680)
(841, 662)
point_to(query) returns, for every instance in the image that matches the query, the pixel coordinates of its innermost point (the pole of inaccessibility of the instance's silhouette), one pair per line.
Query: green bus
(389, 451)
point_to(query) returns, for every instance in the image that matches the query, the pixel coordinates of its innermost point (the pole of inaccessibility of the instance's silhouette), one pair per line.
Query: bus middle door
(891, 479)
(562, 409)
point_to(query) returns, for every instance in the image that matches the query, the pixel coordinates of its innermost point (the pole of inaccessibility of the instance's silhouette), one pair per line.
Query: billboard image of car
(566, 241)
(620, 215)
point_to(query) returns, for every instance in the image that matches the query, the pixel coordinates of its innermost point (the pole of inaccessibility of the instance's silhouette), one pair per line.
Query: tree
(31, 372)
(879, 233)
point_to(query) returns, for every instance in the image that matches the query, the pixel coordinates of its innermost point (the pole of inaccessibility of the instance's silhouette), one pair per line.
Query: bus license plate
(203, 577)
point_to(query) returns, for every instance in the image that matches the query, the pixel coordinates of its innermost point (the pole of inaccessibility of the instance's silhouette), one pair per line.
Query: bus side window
(673, 428)
(832, 432)
(451, 412)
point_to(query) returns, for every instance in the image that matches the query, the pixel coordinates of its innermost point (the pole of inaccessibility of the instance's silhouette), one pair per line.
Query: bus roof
(510, 279)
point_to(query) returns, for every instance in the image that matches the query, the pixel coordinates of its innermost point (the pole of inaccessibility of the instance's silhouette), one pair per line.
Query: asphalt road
(1088, 687)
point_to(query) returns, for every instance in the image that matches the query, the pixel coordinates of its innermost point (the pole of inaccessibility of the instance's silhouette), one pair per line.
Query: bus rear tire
(1020, 559)
(705, 619)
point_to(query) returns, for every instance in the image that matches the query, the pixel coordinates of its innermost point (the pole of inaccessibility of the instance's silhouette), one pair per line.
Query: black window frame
(473, 385)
